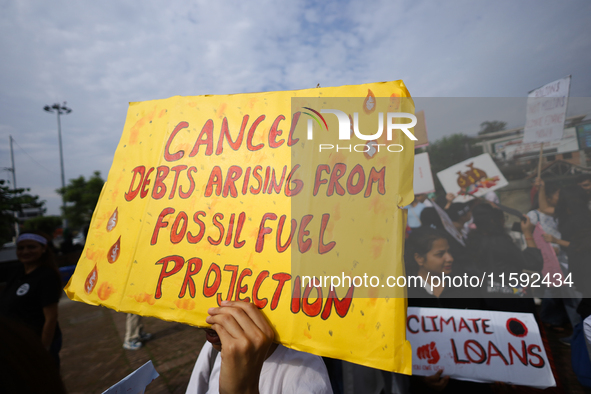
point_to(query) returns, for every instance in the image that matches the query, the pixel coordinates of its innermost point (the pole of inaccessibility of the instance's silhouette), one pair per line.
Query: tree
(491, 126)
(46, 224)
(451, 150)
(83, 195)
(14, 201)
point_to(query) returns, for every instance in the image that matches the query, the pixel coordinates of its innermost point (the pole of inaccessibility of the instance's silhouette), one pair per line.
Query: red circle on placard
(516, 327)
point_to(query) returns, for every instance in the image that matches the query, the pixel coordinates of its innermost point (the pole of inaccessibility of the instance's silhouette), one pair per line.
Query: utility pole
(13, 170)
(60, 109)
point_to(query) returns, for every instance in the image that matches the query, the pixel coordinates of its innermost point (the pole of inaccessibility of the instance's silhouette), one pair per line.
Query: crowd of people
(485, 246)
(241, 356)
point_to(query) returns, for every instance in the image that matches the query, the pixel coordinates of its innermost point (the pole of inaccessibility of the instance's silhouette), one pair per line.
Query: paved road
(93, 358)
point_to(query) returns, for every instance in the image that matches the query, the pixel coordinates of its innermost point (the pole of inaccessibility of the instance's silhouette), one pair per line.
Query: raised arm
(542, 198)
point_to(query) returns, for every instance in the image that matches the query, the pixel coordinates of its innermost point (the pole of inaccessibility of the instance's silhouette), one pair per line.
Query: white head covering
(31, 237)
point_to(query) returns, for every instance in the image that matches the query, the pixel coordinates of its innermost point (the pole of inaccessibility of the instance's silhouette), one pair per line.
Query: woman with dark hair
(558, 304)
(34, 289)
(494, 252)
(427, 255)
(574, 224)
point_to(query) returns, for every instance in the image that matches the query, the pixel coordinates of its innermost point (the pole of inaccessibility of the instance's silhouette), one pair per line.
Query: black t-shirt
(26, 295)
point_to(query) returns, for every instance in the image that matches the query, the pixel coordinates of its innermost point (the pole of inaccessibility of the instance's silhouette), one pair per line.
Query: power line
(35, 161)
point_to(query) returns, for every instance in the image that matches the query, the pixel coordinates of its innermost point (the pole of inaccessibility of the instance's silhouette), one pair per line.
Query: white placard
(546, 112)
(515, 149)
(423, 178)
(448, 224)
(478, 345)
(135, 382)
(473, 177)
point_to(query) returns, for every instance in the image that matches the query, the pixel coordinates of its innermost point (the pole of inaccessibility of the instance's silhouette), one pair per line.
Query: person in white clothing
(249, 361)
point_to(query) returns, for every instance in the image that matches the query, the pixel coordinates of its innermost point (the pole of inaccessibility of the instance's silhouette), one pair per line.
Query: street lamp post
(60, 109)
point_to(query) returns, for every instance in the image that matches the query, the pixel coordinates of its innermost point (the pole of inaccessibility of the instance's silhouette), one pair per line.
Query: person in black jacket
(33, 290)
(574, 224)
(493, 252)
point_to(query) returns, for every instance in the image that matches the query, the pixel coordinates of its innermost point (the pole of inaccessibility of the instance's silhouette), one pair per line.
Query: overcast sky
(99, 56)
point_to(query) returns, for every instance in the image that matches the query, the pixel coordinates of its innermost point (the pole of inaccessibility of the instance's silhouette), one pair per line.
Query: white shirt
(285, 371)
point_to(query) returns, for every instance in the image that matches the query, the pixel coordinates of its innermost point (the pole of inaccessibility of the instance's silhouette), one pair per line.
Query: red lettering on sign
(178, 155)
(281, 278)
(259, 302)
(193, 267)
(304, 245)
(209, 291)
(160, 223)
(243, 289)
(234, 270)
(178, 264)
(205, 138)
(131, 193)
(235, 145)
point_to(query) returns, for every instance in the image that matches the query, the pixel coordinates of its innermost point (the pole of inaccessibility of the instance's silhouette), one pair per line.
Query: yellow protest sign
(268, 198)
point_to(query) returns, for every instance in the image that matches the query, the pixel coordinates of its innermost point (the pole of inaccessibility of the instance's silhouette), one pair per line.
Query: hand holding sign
(436, 382)
(246, 339)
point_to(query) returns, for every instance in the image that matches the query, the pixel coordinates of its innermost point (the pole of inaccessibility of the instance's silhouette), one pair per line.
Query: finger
(223, 334)
(228, 323)
(248, 327)
(255, 315)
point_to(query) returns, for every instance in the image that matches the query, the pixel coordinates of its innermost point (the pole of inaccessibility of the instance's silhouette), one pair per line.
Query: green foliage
(12, 201)
(491, 126)
(46, 224)
(450, 150)
(84, 195)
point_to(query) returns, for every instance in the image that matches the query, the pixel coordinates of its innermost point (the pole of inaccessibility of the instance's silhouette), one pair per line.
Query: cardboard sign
(421, 131)
(478, 345)
(423, 178)
(136, 382)
(238, 197)
(515, 149)
(448, 224)
(473, 177)
(546, 112)
(551, 264)
(510, 211)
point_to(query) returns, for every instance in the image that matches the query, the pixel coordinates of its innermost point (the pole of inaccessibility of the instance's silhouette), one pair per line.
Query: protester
(27, 367)
(584, 182)
(460, 214)
(33, 290)
(426, 255)
(414, 211)
(574, 224)
(134, 332)
(494, 252)
(248, 360)
(430, 218)
(559, 304)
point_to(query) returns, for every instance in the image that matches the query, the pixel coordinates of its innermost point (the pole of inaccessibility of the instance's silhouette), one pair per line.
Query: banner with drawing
(423, 178)
(473, 177)
(261, 197)
(478, 345)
